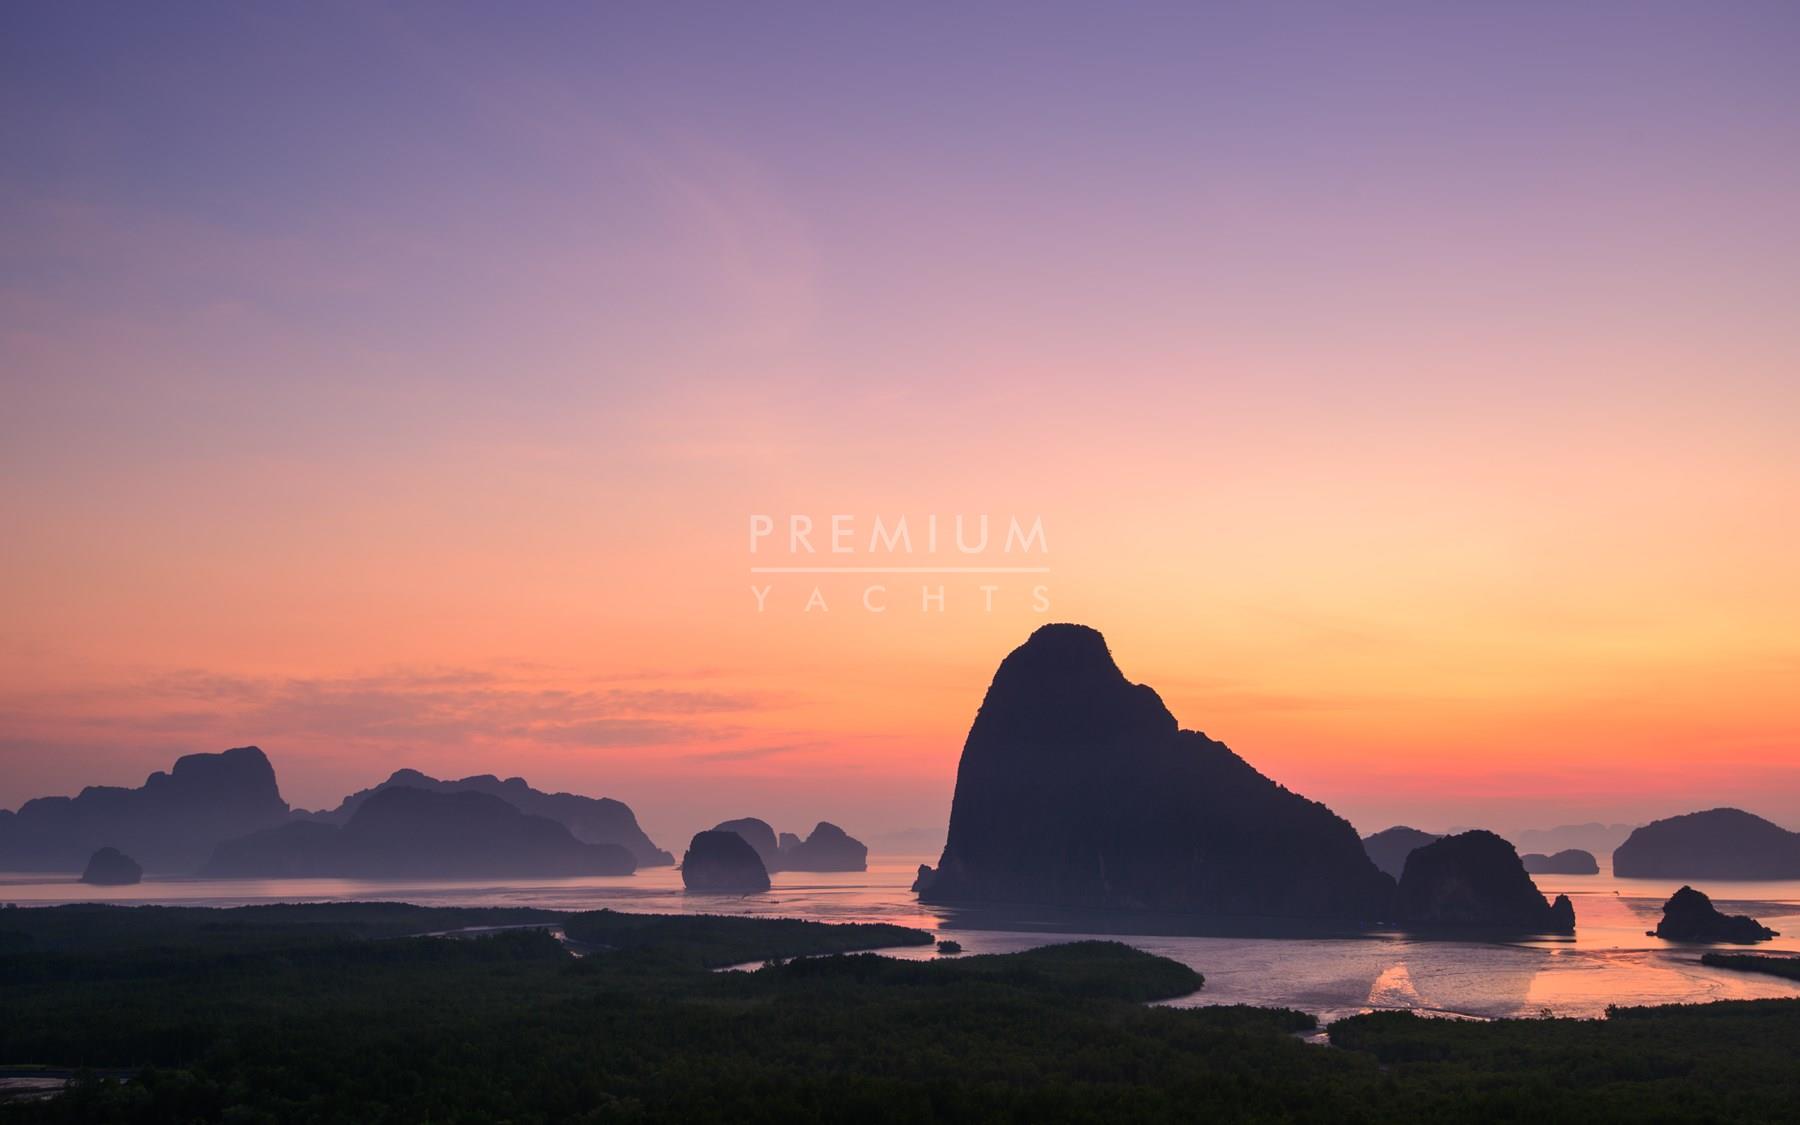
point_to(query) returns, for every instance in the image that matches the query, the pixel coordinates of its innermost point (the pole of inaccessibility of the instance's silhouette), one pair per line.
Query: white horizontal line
(899, 570)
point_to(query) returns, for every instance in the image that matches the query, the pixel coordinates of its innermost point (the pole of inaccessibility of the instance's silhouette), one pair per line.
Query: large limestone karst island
(1078, 788)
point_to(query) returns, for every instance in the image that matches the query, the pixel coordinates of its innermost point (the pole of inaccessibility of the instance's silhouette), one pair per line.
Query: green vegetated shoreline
(333, 1012)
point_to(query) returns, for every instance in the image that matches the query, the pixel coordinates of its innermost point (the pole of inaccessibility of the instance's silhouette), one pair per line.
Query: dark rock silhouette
(1077, 788)
(1570, 861)
(786, 842)
(1389, 847)
(949, 946)
(416, 833)
(1716, 844)
(722, 861)
(594, 820)
(828, 848)
(1476, 879)
(1690, 916)
(758, 835)
(924, 878)
(170, 823)
(110, 867)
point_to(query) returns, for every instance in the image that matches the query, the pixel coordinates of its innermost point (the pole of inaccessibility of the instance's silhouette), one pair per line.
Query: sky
(1408, 392)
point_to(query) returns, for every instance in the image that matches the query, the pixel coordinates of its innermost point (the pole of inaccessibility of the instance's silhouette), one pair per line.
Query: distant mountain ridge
(595, 820)
(1077, 787)
(1593, 837)
(169, 824)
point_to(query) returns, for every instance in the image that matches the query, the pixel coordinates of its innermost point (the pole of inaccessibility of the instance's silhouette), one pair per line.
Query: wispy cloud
(441, 706)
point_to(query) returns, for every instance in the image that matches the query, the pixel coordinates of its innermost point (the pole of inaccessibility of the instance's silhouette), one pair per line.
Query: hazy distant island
(1570, 861)
(110, 867)
(1390, 847)
(1716, 844)
(1690, 916)
(1476, 879)
(593, 820)
(1593, 837)
(223, 814)
(722, 861)
(827, 848)
(1077, 787)
(169, 824)
(418, 833)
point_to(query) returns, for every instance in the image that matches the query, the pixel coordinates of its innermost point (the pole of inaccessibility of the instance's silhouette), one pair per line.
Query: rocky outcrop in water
(594, 820)
(1077, 788)
(827, 848)
(723, 862)
(416, 833)
(170, 823)
(1716, 844)
(1389, 847)
(1570, 861)
(1690, 916)
(110, 867)
(1476, 879)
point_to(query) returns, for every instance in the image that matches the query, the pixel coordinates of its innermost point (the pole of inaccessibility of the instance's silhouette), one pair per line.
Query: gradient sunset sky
(1410, 393)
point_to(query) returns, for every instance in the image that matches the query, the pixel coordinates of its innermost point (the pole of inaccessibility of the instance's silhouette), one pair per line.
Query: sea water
(1327, 971)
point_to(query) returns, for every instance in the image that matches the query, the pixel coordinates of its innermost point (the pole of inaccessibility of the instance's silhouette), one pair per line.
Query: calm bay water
(1609, 960)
